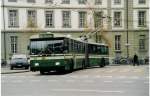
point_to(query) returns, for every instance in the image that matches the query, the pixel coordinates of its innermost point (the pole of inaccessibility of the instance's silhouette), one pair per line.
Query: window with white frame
(12, 0)
(13, 18)
(117, 2)
(49, 1)
(65, 1)
(117, 42)
(82, 19)
(82, 1)
(49, 19)
(142, 1)
(98, 2)
(13, 41)
(142, 18)
(142, 42)
(117, 19)
(31, 18)
(66, 16)
(31, 1)
(98, 19)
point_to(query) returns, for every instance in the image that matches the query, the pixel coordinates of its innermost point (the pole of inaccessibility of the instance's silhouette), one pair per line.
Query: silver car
(19, 62)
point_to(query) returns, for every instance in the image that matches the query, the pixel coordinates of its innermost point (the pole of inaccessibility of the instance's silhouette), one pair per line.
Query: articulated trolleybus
(51, 53)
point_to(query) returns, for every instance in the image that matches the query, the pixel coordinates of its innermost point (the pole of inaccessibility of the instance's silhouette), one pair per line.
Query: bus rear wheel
(102, 65)
(42, 72)
(71, 68)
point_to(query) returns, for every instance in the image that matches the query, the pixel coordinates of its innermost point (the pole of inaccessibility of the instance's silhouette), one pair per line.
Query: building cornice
(54, 7)
(140, 7)
(66, 31)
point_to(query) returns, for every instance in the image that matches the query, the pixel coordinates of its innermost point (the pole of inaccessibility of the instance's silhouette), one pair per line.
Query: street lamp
(3, 5)
(127, 45)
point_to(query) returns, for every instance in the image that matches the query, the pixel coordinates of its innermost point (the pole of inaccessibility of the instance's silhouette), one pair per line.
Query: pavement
(6, 70)
(124, 80)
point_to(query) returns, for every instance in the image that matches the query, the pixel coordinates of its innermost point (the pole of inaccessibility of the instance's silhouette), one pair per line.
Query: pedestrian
(135, 60)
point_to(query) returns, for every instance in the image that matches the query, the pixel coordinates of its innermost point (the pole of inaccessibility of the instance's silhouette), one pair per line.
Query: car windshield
(19, 60)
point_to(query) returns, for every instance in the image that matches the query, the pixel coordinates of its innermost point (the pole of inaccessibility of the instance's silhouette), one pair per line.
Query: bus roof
(87, 42)
(37, 38)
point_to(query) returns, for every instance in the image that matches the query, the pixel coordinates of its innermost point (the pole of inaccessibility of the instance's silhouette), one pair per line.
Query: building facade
(123, 24)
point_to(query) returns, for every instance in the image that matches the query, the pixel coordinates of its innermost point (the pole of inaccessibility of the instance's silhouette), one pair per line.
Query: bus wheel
(71, 68)
(83, 64)
(102, 65)
(42, 72)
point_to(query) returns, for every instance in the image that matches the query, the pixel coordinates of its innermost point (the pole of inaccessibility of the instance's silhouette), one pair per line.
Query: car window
(19, 60)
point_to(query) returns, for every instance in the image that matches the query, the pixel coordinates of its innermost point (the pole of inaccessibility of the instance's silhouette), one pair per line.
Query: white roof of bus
(37, 36)
(87, 42)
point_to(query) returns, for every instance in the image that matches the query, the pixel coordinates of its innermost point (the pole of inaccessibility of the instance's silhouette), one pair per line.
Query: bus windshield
(46, 47)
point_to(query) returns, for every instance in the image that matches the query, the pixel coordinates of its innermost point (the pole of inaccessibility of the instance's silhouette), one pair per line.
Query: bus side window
(76, 46)
(107, 50)
(95, 49)
(82, 48)
(79, 47)
(90, 48)
(65, 46)
(103, 49)
(72, 46)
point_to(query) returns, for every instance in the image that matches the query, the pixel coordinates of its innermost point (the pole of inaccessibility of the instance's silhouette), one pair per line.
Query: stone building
(123, 23)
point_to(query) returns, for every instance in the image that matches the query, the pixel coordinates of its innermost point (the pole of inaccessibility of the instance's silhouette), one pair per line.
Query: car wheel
(26, 67)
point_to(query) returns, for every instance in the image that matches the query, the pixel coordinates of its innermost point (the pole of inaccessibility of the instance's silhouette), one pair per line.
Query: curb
(117, 64)
(14, 72)
(125, 64)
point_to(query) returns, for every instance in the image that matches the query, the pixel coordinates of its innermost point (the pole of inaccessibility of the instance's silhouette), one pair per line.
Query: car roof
(19, 56)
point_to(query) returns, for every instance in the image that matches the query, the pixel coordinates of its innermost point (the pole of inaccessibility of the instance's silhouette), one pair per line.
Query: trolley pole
(127, 30)
(86, 56)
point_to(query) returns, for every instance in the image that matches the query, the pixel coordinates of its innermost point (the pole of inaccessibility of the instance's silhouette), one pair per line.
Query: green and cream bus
(50, 53)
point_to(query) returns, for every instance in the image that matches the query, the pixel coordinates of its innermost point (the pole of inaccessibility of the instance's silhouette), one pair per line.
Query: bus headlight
(57, 63)
(36, 64)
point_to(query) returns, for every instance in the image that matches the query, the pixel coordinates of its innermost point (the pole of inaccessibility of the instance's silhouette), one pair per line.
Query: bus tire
(61, 70)
(71, 68)
(101, 65)
(42, 72)
(83, 64)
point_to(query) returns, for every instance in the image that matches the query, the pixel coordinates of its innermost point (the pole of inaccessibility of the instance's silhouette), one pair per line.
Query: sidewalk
(124, 64)
(6, 70)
